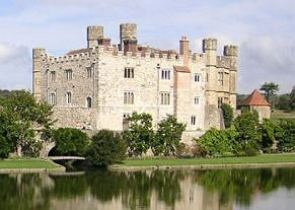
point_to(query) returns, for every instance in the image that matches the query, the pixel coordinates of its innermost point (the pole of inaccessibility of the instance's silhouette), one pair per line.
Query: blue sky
(263, 29)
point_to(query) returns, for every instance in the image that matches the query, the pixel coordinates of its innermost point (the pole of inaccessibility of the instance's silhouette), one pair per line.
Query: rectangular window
(129, 72)
(197, 77)
(69, 98)
(128, 98)
(196, 100)
(165, 75)
(165, 98)
(52, 98)
(69, 74)
(52, 76)
(221, 78)
(193, 120)
(89, 72)
(220, 101)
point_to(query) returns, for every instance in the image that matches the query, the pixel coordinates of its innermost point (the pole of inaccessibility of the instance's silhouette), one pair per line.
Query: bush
(70, 141)
(247, 125)
(168, 136)
(285, 135)
(267, 129)
(228, 115)
(106, 148)
(140, 134)
(5, 147)
(216, 143)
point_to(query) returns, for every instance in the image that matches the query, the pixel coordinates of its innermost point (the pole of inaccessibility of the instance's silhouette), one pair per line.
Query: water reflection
(187, 189)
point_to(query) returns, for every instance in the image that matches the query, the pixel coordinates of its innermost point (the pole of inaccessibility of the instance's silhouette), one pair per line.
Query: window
(165, 75)
(165, 98)
(193, 120)
(220, 78)
(197, 77)
(88, 102)
(52, 98)
(129, 73)
(196, 100)
(207, 77)
(69, 98)
(52, 76)
(128, 98)
(89, 72)
(220, 101)
(69, 74)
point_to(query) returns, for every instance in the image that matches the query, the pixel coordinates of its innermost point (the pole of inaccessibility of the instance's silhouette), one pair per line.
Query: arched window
(88, 102)
(52, 98)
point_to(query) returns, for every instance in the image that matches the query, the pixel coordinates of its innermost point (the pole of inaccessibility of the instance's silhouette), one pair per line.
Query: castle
(98, 87)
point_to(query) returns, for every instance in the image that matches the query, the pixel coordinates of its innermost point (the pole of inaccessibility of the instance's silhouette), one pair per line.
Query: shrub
(140, 134)
(267, 129)
(228, 114)
(5, 147)
(70, 141)
(168, 136)
(219, 142)
(247, 126)
(285, 135)
(106, 148)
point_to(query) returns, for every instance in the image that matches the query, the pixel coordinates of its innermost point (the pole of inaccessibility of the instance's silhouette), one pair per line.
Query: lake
(255, 189)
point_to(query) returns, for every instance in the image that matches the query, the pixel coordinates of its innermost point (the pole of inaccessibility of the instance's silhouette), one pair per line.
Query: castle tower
(37, 75)
(128, 37)
(231, 51)
(212, 112)
(94, 35)
(184, 50)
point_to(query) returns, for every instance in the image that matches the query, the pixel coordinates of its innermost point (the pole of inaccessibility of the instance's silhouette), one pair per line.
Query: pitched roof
(182, 69)
(255, 99)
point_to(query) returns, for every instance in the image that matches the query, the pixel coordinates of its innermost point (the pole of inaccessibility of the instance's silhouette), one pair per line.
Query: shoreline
(203, 166)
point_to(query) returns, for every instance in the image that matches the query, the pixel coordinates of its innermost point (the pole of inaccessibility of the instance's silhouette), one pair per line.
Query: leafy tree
(249, 137)
(283, 102)
(168, 136)
(106, 148)
(70, 141)
(216, 143)
(270, 90)
(228, 114)
(285, 135)
(268, 137)
(292, 99)
(140, 134)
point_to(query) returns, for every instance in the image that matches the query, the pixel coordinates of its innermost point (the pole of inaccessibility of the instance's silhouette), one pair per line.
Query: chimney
(184, 50)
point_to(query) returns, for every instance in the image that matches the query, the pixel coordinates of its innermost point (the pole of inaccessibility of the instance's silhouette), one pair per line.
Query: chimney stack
(185, 50)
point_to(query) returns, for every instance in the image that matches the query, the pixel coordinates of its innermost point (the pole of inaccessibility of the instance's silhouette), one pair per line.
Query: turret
(210, 48)
(184, 50)
(94, 36)
(128, 37)
(37, 75)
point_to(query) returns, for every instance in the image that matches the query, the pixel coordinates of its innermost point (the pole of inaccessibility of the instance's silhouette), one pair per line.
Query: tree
(228, 114)
(283, 102)
(70, 141)
(249, 137)
(106, 148)
(21, 116)
(270, 90)
(168, 136)
(292, 99)
(140, 134)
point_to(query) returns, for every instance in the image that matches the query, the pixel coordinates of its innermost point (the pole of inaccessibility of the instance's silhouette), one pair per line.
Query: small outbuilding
(256, 101)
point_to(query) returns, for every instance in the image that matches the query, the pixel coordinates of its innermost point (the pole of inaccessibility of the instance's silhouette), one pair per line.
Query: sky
(264, 30)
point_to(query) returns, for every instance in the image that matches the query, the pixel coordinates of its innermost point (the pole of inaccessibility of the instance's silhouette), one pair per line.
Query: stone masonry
(98, 87)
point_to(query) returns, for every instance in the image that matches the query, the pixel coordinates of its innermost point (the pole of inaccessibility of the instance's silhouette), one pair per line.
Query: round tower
(210, 49)
(37, 75)
(128, 37)
(94, 33)
(230, 50)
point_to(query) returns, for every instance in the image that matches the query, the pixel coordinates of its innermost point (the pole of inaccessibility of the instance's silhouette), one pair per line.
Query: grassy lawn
(279, 114)
(27, 164)
(266, 158)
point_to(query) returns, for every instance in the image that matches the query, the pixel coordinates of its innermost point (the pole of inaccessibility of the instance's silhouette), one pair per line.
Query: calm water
(269, 189)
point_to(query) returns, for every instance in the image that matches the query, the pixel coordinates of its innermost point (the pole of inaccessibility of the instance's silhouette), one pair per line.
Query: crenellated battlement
(223, 62)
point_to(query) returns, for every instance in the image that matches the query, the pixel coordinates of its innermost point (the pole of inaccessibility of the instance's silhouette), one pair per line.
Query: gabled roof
(255, 99)
(182, 69)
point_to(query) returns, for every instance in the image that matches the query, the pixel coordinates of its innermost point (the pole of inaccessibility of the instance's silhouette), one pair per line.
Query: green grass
(27, 164)
(266, 158)
(279, 114)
